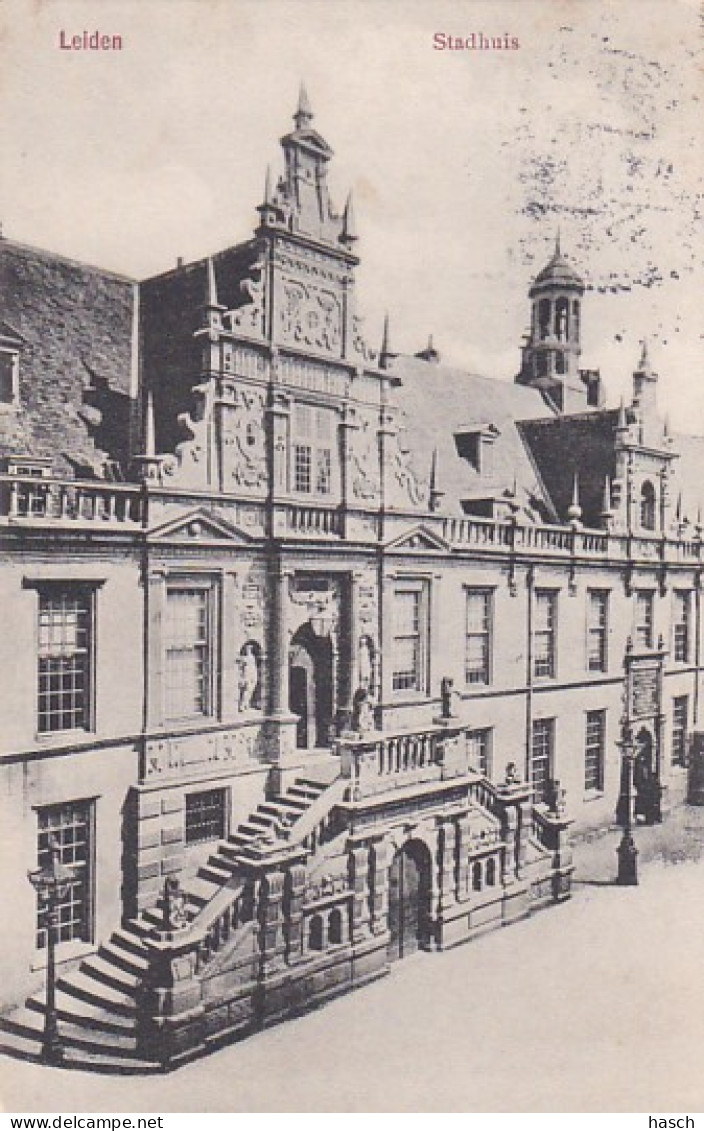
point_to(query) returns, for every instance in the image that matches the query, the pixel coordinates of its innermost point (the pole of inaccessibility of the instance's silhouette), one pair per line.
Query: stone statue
(362, 711)
(512, 775)
(446, 693)
(175, 916)
(249, 677)
(366, 662)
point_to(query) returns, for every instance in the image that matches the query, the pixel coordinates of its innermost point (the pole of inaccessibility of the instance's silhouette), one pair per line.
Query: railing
(380, 762)
(313, 520)
(544, 538)
(33, 498)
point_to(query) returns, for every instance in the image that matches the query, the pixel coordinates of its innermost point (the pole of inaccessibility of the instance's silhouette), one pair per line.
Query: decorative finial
(267, 186)
(303, 114)
(150, 428)
(385, 354)
(211, 297)
(644, 363)
(436, 491)
(606, 498)
(622, 424)
(574, 511)
(349, 228)
(558, 251)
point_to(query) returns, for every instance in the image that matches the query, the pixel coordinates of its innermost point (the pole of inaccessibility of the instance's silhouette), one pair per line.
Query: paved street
(594, 1006)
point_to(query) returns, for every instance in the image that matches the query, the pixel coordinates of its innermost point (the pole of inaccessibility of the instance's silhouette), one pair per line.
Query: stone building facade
(314, 653)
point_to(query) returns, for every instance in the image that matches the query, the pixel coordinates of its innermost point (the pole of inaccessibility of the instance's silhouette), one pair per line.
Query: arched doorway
(409, 900)
(645, 780)
(310, 686)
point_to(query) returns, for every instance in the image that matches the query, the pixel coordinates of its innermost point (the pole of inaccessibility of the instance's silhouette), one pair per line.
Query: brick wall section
(171, 310)
(76, 324)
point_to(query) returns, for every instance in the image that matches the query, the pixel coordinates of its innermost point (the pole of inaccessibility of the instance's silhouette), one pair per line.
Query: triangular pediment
(418, 539)
(198, 526)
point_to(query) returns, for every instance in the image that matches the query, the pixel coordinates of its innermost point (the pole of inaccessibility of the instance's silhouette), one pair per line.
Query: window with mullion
(69, 828)
(64, 659)
(479, 750)
(544, 634)
(542, 756)
(478, 637)
(205, 816)
(188, 652)
(313, 431)
(407, 640)
(594, 747)
(680, 720)
(644, 618)
(597, 630)
(681, 626)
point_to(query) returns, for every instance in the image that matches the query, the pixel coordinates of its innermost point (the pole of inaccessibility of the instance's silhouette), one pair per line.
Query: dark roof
(558, 272)
(439, 402)
(563, 446)
(75, 326)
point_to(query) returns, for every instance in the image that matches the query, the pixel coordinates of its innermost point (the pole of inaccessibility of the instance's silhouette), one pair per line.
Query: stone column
(380, 887)
(229, 682)
(463, 834)
(446, 853)
(278, 641)
(360, 884)
(155, 643)
(294, 913)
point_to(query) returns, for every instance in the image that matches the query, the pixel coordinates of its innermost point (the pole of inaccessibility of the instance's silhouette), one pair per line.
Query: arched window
(544, 318)
(315, 933)
(335, 926)
(477, 876)
(562, 319)
(490, 872)
(647, 506)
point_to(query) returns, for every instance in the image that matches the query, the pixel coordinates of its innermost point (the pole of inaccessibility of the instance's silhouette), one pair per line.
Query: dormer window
(9, 376)
(475, 444)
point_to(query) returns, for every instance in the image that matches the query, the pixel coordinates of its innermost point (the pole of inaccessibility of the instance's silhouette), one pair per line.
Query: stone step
(132, 961)
(88, 1016)
(103, 970)
(217, 873)
(81, 985)
(302, 793)
(277, 809)
(201, 890)
(30, 1024)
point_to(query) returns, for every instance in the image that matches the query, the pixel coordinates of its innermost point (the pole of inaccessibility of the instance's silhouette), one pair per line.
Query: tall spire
(644, 363)
(385, 354)
(211, 297)
(267, 186)
(304, 114)
(558, 251)
(349, 228)
(150, 427)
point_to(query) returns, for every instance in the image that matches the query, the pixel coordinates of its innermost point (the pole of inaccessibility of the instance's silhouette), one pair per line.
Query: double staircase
(97, 1002)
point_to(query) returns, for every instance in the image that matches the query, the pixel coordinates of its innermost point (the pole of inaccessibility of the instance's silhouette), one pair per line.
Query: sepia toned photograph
(351, 521)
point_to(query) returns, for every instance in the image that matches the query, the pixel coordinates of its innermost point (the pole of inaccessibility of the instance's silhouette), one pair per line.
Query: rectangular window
(542, 756)
(544, 633)
(680, 722)
(478, 638)
(205, 816)
(479, 751)
(69, 829)
(644, 618)
(597, 629)
(594, 749)
(65, 659)
(9, 374)
(302, 463)
(313, 431)
(188, 652)
(407, 640)
(681, 616)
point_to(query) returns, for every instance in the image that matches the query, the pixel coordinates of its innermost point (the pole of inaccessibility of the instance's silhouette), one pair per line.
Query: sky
(463, 164)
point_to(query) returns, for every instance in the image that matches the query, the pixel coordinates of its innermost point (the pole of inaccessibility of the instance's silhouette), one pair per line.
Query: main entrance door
(310, 687)
(409, 900)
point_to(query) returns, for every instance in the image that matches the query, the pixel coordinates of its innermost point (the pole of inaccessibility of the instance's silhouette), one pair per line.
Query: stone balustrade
(376, 762)
(72, 502)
